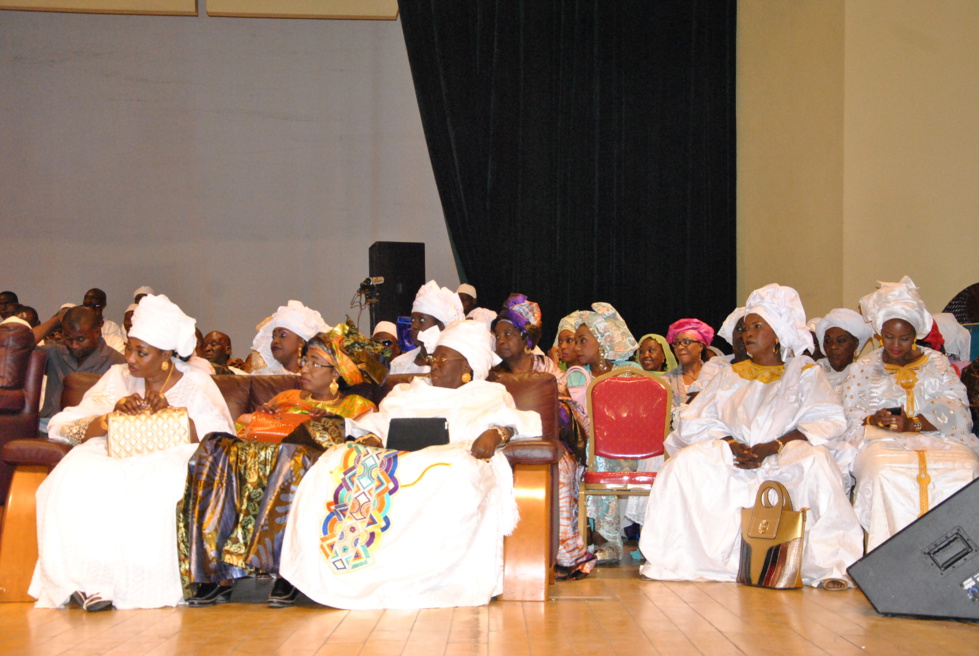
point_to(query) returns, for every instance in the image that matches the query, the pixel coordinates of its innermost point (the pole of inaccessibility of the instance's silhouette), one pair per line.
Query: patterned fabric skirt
(231, 520)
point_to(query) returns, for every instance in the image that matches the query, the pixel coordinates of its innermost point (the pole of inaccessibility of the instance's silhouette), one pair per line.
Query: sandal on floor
(607, 555)
(834, 585)
(76, 600)
(94, 603)
(562, 573)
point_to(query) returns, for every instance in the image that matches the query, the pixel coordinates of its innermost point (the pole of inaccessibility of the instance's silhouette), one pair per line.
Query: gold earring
(165, 365)
(334, 387)
(528, 350)
(777, 348)
(466, 377)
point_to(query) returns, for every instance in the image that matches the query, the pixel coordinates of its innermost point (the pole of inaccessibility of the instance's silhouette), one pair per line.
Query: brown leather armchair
(21, 376)
(528, 553)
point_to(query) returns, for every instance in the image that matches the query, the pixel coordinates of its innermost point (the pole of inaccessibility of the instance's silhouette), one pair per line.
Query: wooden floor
(611, 612)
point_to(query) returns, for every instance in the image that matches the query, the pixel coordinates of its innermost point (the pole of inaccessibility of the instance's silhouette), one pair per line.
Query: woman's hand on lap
(485, 445)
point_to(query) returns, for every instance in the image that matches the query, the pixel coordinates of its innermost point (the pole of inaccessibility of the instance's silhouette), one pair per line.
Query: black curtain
(584, 150)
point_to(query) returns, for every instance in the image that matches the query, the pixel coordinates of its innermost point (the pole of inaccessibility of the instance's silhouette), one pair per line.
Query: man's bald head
(217, 347)
(81, 331)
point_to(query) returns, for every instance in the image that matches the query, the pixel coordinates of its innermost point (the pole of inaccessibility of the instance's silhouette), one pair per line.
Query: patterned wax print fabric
(236, 500)
(106, 525)
(610, 330)
(374, 528)
(692, 530)
(889, 495)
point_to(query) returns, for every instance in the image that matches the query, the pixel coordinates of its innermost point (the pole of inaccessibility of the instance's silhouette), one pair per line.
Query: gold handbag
(772, 540)
(131, 435)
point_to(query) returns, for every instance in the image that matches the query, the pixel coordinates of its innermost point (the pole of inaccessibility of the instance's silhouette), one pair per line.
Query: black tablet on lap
(415, 433)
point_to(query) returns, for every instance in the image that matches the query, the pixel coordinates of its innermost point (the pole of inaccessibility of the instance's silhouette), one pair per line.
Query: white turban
(160, 323)
(440, 302)
(958, 341)
(466, 289)
(781, 307)
(473, 340)
(294, 316)
(849, 321)
(482, 315)
(727, 328)
(897, 300)
(132, 307)
(385, 327)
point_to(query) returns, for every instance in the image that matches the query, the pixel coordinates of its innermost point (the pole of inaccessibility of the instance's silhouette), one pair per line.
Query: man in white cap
(433, 309)
(141, 292)
(467, 296)
(386, 334)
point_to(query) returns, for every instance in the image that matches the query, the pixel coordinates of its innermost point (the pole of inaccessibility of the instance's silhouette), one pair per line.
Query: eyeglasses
(684, 342)
(306, 362)
(93, 305)
(441, 360)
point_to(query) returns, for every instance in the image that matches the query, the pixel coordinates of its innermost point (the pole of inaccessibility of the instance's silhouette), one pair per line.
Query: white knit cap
(132, 307)
(385, 327)
(473, 340)
(727, 328)
(160, 323)
(294, 316)
(897, 300)
(850, 321)
(439, 302)
(143, 290)
(782, 308)
(958, 341)
(466, 289)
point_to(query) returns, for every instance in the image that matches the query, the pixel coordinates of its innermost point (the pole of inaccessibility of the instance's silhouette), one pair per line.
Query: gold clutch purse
(772, 540)
(131, 435)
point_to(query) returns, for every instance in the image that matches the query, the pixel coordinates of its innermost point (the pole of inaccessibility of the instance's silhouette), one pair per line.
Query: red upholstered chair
(629, 417)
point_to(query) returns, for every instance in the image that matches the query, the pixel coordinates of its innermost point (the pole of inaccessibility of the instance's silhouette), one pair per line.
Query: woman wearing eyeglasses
(377, 528)
(223, 539)
(689, 339)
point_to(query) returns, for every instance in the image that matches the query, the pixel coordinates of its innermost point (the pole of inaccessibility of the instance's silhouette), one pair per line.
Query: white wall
(858, 147)
(232, 164)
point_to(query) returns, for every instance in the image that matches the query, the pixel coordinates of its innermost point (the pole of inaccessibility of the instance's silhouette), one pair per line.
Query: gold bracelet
(104, 422)
(504, 433)
(780, 445)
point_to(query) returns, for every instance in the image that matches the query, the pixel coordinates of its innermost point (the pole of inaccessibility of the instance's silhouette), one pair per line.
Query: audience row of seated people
(106, 526)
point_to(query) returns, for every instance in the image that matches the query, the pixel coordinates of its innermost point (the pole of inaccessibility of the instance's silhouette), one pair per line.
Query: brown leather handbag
(772, 540)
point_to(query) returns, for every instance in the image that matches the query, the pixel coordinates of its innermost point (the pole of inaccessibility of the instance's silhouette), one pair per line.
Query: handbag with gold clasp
(772, 540)
(147, 432)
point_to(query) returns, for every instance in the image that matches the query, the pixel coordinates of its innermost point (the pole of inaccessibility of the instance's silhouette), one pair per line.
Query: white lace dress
(107, 526)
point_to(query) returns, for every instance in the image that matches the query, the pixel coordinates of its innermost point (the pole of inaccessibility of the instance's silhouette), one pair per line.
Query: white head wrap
(727, 328)
(132, 307)
(782, 308)
(897, 300)
(849, 321)
(143, 290)
(466, 289)
(67, 305)
(294, 316)
(812, 323)
(160, 323)
(385, 327)
(473, 340)
(440, 302)
(958, 341)
(482, 315)
(14, 319)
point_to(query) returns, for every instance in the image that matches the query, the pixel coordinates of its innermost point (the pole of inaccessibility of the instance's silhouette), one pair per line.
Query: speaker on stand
(930, 568)
(402, 266)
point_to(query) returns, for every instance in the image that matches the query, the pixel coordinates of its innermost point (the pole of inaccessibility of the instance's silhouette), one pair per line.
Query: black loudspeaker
(930, 568)
(402, 265)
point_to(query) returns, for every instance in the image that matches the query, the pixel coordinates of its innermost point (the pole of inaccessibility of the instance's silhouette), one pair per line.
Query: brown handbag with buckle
(772, 540)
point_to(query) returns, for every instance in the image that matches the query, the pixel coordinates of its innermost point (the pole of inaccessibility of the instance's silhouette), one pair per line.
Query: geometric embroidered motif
(357, 516)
